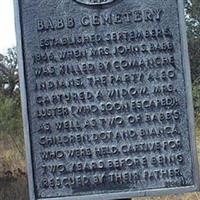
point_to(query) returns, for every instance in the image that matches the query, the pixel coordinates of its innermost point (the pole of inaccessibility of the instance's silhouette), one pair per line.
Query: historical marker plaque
(106, 98)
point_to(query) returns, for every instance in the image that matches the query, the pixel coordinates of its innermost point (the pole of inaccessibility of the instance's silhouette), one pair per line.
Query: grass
(12, 158)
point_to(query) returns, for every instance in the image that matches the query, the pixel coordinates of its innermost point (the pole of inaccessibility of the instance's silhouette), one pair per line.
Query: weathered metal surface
(106, 98)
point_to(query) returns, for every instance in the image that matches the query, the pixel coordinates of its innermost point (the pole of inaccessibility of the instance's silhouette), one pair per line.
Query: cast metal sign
(106, 96)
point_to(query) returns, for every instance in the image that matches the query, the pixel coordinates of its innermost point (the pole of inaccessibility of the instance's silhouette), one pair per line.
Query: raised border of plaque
(123, 194)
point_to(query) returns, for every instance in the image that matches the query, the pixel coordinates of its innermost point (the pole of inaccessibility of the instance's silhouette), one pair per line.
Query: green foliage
(193, 18)
(11, 123)
(9, 81)
(193, 24)
(10, 115)
(196, 99)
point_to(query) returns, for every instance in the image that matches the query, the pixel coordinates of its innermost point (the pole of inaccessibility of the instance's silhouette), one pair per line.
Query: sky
(7, 26)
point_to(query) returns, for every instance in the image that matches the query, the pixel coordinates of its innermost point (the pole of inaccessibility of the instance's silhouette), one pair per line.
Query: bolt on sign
(106, 97)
